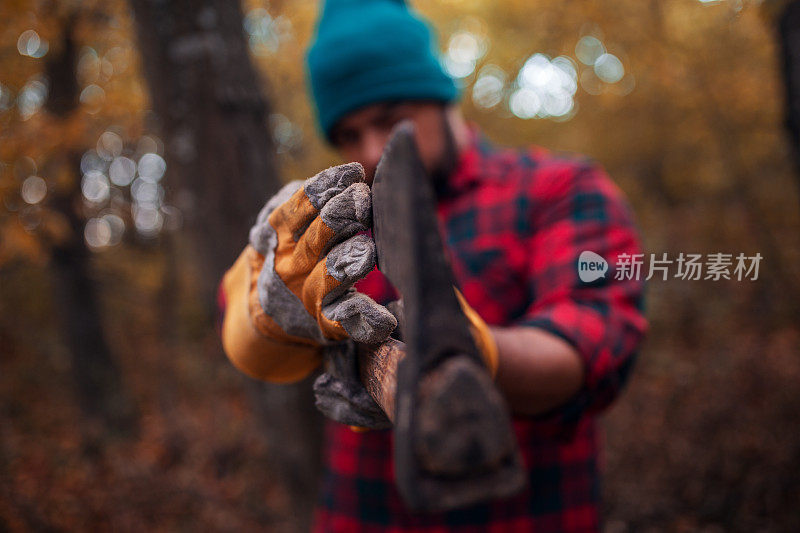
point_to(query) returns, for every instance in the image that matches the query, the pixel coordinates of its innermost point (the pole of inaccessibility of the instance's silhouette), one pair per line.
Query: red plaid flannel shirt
(514, 223)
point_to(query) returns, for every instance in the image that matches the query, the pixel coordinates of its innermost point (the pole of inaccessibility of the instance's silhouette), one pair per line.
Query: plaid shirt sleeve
(579, 208)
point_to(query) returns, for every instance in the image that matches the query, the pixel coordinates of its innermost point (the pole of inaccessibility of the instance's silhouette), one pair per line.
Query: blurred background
(139, 139)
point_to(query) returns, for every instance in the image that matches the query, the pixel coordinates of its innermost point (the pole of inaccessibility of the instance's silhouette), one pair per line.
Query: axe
(453, 440)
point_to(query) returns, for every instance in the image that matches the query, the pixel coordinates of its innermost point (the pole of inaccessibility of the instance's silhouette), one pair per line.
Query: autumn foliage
(682, 101)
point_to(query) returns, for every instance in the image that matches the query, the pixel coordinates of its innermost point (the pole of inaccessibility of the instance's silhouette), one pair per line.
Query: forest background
(139, 139)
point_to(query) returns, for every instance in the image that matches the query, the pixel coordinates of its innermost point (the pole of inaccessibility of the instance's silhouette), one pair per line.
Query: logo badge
(591, 266)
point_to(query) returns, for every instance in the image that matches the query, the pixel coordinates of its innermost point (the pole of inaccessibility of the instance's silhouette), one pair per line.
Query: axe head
(454, 443)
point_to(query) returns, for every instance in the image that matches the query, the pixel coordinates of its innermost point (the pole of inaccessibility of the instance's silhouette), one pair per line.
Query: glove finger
(360, 316)
(331, 181)
(341, 361)
(348, 403)
(282, 310)
(262, 235)
(285, 217)
(349, 261)
(346, 263)
(292, 217)
(343, 216)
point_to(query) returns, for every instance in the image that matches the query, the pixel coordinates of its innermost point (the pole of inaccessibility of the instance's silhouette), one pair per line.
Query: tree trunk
(205, 92)
(99, 383)
(100, 390)
(222, 169)
(789, 36)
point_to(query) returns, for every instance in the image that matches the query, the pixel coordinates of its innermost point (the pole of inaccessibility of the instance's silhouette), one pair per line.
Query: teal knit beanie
(369, 51)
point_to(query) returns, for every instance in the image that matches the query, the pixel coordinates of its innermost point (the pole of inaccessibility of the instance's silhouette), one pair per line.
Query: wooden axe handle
(378, 371)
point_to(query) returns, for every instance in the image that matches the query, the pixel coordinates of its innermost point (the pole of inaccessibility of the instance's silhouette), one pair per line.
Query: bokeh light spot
(149, 144)
(265, 34)
(117, 227)
(91, 161)
(591, 83)
(30, 44)
(487, 91)
(109, 145)
(30, 217)
(94, 186)
(88, 66)
(524, 103)
(464, 49)
(33, 190)
(145, 191)
(121, 171)
(546, 88)
(152, 166)
(147, 219)
(588, 49)
(118, 57)
(93, 97)
(97, 232)
(31, 98)
(609, 68)
(286, 135)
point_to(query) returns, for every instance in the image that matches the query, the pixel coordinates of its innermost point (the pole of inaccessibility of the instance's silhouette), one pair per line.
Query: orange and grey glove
(342, 397)
(291, 291)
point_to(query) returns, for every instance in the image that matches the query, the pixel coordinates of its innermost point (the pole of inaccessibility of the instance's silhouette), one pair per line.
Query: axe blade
(454, 443)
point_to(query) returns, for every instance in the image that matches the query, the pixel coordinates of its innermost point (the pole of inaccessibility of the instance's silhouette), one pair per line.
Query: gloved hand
(341, 396)
(291, 290)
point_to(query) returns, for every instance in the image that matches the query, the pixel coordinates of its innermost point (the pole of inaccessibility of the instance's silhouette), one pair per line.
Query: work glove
(340, 394)
(291, 290)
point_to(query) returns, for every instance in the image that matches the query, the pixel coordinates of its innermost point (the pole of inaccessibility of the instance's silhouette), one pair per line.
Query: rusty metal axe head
(454, 444)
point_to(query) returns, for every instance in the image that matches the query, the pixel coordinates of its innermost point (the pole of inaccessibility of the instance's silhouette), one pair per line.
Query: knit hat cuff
(408, 81)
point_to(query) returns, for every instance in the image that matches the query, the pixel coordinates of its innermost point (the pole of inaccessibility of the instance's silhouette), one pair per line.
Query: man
(514, 223)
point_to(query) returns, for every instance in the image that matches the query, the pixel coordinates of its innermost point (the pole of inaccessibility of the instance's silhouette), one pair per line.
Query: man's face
(361, 135)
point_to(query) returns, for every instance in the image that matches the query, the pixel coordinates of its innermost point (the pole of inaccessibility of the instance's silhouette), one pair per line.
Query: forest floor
(705, 438)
